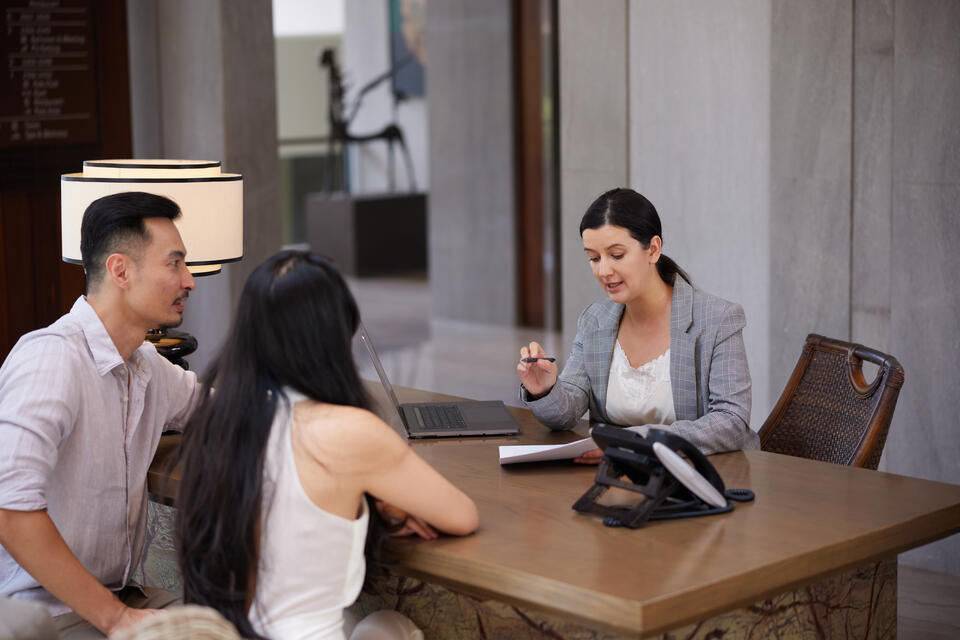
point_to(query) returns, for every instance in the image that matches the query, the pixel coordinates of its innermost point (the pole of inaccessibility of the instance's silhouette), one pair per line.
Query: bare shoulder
(346, 438)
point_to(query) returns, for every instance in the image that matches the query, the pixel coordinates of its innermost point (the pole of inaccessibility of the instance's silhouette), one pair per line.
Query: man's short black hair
(114, 224)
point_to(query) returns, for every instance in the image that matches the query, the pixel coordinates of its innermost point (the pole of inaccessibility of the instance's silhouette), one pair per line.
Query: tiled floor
(928, 604)
(478, 361)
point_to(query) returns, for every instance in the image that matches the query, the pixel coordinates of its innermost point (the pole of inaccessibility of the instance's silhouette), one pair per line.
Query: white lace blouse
(640, 395)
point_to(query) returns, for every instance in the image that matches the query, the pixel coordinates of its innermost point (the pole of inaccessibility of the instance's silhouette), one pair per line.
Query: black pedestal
(371, 234)
(173, 345)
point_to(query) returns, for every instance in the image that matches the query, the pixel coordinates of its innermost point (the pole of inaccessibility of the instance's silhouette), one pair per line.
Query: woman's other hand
(590, 457)
(401, 523)
(537, 377)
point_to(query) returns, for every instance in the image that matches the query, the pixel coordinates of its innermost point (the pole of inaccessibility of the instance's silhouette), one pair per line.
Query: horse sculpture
(340, 135)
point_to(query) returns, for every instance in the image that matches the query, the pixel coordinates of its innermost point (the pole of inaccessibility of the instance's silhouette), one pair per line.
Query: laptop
(444, 419)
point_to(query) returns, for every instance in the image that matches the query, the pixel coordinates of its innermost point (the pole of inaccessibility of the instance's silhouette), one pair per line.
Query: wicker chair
(828, 411)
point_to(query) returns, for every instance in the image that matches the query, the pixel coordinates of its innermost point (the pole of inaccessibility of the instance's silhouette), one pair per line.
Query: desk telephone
(653, 468)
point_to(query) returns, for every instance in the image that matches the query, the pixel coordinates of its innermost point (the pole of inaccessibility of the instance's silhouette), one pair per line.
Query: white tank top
(639, 395)
(311, 561)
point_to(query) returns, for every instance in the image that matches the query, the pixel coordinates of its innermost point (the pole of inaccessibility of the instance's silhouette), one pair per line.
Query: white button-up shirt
(78, 430)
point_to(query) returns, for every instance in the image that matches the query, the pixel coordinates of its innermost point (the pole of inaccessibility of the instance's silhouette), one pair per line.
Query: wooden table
(810, 520)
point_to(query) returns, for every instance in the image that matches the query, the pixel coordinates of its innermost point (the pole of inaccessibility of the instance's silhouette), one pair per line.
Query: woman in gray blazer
(657, 352)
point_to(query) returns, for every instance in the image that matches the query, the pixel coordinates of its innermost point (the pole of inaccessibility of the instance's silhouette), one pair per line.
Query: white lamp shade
(204, 269)
(211, 204)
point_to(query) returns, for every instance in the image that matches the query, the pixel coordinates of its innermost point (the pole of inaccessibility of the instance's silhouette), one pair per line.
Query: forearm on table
(33, 540)
(562, 407)
(716, 432)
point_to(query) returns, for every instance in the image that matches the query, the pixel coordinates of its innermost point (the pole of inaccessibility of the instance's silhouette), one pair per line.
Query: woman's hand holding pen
(537, 372)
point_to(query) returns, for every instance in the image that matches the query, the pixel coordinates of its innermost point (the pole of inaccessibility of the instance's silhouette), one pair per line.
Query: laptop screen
(365, 339)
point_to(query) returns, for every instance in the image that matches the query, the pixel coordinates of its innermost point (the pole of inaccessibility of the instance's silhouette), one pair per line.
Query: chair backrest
(828, 411)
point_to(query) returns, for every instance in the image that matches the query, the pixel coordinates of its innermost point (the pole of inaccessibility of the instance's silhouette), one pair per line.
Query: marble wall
(872, 173)
(472, 251)
(810, 149)
(924, 251)
(700, 150)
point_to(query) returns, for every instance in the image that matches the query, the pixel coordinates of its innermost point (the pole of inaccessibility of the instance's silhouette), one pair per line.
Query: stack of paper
(510, 454)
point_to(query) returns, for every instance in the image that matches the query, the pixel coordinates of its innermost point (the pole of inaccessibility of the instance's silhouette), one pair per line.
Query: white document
(510, 454)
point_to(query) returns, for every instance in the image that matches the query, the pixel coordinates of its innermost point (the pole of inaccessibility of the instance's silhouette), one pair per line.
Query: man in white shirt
(82, 405)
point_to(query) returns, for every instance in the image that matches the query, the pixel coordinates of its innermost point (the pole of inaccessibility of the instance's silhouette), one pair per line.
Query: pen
(535, 359)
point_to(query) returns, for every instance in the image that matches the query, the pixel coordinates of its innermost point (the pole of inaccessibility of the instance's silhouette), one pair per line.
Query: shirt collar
(104, 352)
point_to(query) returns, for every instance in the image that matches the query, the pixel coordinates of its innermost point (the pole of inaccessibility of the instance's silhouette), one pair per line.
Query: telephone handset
(654, 468)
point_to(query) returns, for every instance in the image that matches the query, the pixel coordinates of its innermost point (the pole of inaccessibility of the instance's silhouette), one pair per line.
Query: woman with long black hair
(657, 352)
(281, 459)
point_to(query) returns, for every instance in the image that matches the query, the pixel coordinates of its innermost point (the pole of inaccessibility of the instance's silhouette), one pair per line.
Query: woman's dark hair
(626, 208)
(294, 325)
(114, 223)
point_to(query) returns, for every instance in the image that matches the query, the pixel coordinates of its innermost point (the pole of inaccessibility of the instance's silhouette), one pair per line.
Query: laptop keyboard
(445, 416)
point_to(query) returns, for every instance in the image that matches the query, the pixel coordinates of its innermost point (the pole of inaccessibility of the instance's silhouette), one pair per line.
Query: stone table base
(861, 604)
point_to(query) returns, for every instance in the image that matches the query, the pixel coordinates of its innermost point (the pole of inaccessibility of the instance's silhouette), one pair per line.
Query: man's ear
(119, 268)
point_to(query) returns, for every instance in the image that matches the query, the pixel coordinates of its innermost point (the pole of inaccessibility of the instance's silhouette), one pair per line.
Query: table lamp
(211, 220)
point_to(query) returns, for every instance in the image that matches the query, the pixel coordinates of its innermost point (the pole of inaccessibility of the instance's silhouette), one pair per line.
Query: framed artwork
(407, 47)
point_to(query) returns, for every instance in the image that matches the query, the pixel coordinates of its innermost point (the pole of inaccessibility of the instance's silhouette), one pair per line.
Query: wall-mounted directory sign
(48, 81)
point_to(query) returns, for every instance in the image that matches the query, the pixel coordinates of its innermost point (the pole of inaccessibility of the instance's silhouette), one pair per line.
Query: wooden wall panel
(529, 144)
(4, 324)
(36, 287)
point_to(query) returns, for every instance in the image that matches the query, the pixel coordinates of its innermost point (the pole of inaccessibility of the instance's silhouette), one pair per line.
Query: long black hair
(626, 208)
(294, 326)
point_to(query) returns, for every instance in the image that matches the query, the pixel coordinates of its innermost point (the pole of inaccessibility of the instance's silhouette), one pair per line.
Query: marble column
(594, 137)
(471, 208)
(203, 87)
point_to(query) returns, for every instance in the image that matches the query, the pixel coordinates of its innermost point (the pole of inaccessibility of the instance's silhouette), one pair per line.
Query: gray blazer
(708, 371)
